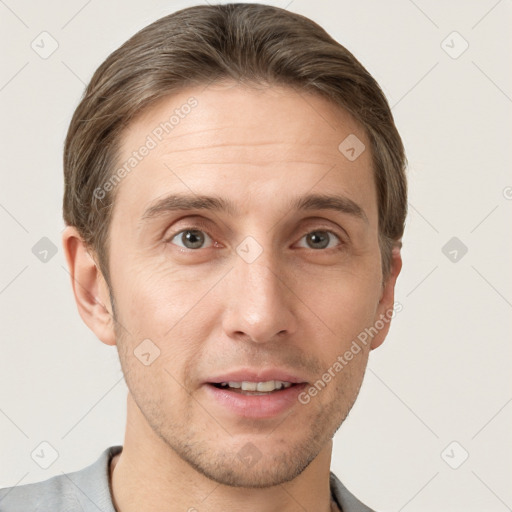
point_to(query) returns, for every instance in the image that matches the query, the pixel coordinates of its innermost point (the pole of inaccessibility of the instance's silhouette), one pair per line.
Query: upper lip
(257, 375)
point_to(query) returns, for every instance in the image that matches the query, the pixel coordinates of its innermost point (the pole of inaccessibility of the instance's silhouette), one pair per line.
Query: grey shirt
(88, 490)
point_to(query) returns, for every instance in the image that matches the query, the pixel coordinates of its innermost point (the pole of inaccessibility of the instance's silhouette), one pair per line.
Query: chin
(262, 475)
(242, 464)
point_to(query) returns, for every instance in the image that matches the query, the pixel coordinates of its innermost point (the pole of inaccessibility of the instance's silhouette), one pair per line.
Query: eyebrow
(180, 202)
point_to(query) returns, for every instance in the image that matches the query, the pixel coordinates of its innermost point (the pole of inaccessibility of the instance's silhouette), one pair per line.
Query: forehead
(245, 143)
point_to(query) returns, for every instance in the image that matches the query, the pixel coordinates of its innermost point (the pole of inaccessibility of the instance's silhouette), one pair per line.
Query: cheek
(153, 297)
(167, 307)
(344, 303)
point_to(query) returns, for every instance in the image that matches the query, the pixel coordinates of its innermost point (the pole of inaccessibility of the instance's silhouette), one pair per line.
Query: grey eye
(320, 239)
(191, 238)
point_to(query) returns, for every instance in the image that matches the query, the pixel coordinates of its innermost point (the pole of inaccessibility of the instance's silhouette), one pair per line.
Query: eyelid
(328, 229)
(321, 224)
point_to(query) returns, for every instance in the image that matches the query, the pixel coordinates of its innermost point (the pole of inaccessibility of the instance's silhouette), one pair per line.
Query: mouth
(256, 399)
(255, 388)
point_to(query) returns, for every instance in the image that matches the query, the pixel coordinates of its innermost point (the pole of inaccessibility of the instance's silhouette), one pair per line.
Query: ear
(385, 307)
(89, 287)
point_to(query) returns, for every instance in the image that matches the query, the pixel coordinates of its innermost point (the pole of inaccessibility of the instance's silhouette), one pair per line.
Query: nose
(260, 304)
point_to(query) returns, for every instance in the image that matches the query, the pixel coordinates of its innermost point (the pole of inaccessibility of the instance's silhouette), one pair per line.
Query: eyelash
(202, 229)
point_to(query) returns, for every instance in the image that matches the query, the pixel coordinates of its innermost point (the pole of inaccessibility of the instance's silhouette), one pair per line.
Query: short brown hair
(252, 43)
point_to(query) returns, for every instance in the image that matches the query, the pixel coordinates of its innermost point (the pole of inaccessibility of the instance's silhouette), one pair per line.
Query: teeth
(263, 387)
(251, 386)
(266, 386)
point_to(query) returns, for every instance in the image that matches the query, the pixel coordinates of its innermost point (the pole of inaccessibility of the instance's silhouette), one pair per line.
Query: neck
(149, 475)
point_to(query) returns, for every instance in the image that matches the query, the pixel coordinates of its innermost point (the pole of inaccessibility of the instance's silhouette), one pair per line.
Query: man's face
(290, 298)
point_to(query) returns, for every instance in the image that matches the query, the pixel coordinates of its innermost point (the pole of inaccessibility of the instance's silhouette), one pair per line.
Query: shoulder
(56, 493)
(346, 500)
(80, 491)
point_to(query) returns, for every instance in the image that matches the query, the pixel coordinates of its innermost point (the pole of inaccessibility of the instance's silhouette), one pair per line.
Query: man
(235, 199)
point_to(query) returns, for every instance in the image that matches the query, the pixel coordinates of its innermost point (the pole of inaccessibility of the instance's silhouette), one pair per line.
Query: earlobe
(89, 287)
(387, 301)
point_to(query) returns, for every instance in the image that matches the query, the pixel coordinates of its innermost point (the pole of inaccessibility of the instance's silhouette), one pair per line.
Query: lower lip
(256, 406)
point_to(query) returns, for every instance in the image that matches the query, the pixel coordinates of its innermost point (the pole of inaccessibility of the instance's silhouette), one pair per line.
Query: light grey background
(442, 375)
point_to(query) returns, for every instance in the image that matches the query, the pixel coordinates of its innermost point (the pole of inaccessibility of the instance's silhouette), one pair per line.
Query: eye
(191, 238)
(321, 239)
(194, 238)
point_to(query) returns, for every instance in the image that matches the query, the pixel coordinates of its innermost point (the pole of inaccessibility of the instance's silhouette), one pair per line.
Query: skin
(297, 306)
